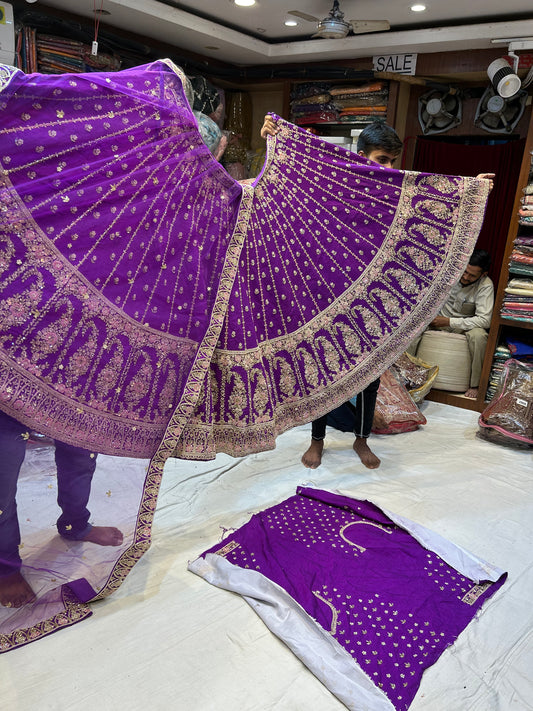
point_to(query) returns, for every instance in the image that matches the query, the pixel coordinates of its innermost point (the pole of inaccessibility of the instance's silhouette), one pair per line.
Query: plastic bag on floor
(508, 418)
(417, 375)
(395, 410)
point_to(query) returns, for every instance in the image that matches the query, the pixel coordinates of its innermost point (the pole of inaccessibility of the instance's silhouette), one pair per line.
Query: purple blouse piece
(392, 604)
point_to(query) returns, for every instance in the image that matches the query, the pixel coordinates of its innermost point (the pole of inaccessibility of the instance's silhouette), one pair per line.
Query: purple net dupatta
(119, 240)
(152, 306)
(367, 600)
(120, 236)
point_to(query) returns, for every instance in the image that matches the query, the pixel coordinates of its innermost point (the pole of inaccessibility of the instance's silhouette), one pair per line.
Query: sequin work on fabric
(343, 263)
(149, 298)
(150, 305)
(116, 225)
(392, 604)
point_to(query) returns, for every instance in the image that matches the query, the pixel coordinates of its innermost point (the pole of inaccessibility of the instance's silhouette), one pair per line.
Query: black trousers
(363, 413)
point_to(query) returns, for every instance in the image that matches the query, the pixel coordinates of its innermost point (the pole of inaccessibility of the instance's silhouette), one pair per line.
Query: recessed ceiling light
(244, 3)
(290, 23)
(418, 8)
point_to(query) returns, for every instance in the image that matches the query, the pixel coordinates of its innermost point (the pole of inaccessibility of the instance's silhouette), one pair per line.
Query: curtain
(459, 159)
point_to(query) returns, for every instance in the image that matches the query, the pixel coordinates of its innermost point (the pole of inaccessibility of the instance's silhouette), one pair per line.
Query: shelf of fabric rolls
(511, 332)
(341, 110)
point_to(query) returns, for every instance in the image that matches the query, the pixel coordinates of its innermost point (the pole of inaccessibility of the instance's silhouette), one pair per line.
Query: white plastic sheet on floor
(169, 640)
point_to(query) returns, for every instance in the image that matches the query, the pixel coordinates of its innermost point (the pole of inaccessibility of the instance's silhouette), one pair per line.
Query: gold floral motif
(74, 611)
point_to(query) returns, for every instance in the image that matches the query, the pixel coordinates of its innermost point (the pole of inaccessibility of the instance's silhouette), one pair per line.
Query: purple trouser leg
(12, 450)
(75, 469)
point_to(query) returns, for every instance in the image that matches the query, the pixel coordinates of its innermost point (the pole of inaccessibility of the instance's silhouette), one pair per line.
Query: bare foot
(15, 591)
(472, 392)
(313, 456)
(104, 536)
(365, 454)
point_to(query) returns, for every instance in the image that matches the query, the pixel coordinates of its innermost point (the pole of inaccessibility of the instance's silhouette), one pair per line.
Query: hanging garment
(367, 600)
(152, 306)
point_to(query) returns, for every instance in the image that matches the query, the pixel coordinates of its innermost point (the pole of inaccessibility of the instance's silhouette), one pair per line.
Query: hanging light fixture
(503, 79)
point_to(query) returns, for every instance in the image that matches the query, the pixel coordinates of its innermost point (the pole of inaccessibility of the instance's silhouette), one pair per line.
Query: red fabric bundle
(396, 410)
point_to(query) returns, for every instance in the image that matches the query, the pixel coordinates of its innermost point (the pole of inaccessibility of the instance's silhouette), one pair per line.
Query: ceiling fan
(334, 26)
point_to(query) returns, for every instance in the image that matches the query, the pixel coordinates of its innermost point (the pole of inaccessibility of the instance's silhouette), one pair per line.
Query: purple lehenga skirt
(152, 306)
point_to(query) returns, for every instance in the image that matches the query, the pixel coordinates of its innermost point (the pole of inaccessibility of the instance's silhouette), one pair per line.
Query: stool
(451, 353)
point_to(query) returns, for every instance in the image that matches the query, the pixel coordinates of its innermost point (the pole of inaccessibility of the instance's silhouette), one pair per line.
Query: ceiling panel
(257, 35)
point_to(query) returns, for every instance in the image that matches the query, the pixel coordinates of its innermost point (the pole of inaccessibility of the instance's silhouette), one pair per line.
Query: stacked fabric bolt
(518, 300)
(521, 260)
(526, 212)
(310, 103)
(48, 54)
(361, 104)
(501, 354)
(306, 90)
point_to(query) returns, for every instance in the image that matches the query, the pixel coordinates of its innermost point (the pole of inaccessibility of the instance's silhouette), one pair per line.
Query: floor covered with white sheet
(167, 639)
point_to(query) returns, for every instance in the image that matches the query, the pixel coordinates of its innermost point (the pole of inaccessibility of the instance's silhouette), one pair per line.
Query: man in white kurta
(468, 310)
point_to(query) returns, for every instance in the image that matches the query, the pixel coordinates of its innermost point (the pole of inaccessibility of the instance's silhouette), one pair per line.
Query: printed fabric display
(153, 306)
(366, 599)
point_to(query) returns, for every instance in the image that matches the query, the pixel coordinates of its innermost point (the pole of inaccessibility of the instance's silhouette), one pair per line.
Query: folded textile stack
(48, 54)
(526, 212)
(25, 50)
(501, 354)
(310, 103)
(361, 104)
(306, 90)
(521, 259)
(323, 103)
(518, 300)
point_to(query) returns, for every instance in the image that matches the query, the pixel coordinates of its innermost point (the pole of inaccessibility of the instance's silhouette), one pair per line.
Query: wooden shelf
(457, 400)
(498, 322)
(515, 324)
